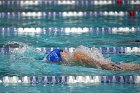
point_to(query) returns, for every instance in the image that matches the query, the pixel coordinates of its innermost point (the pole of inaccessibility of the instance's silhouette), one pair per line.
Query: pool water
(29, 63)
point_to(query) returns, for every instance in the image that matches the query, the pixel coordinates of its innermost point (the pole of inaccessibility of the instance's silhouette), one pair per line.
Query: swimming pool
(42, 25)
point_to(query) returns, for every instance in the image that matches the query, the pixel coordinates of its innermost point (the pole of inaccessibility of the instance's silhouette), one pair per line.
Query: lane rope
(69, 14)
(69, 2)
(103, 50)
(70, 79)
(78, 30)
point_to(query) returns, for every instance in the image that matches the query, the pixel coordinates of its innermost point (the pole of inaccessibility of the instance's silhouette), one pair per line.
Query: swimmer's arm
(126, 67)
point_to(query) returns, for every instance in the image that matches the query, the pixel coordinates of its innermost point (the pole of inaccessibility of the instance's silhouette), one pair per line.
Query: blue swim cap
(54, 56)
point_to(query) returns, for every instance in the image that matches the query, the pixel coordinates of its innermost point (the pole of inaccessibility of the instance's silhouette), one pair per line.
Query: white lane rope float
(70, 14)
(129, 79)
(67, 30)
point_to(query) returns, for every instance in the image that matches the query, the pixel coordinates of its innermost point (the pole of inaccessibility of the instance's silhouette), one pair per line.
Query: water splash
(24, 52)
(93, 53)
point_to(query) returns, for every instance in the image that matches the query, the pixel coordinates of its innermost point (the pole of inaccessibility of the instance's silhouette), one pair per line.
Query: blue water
(31, 66)
(27, 63)
(70, 22)
(61, 39)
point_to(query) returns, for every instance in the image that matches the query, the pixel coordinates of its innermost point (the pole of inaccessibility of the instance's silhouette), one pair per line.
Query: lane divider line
(113, 30)
(69, 14)
(103, 50)
(69, 2)
(70, 79)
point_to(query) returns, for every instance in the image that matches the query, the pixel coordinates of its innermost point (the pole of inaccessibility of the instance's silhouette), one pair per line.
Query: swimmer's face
(64, 53)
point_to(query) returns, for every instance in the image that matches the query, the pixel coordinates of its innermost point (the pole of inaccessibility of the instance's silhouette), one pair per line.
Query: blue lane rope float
(68, 2)
(129, 79)
(68, 14)
(103, 50)
(102, 30)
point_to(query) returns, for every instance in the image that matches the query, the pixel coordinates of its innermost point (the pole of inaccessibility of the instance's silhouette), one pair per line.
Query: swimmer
(83, 56)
